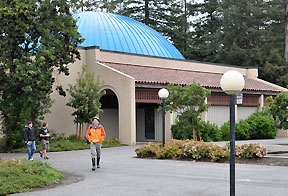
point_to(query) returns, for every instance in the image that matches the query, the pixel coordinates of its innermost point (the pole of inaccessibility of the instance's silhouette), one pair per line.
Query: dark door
(149, 123)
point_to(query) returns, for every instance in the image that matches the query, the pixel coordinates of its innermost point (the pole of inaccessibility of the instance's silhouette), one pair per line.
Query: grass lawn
(18, 176)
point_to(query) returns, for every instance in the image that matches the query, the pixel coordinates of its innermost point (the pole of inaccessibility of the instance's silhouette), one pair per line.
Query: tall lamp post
(232, 82)
(163, 93)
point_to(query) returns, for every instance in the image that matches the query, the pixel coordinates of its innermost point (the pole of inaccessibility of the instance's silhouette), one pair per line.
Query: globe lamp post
(232, 82)
(163, 93)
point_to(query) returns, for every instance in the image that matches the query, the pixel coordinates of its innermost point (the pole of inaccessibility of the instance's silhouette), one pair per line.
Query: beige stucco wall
(124, 88)
(60, 118)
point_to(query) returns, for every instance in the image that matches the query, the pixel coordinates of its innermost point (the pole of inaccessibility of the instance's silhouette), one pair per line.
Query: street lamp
(163, 93)
(232, 82)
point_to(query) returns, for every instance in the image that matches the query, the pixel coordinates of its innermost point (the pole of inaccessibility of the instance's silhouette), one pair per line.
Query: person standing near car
(95, 135)
(29, 138)
(43, 137)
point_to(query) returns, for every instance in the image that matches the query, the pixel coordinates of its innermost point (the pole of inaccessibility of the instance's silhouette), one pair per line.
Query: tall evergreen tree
(111, 6)
(168, 17)
(243, 33)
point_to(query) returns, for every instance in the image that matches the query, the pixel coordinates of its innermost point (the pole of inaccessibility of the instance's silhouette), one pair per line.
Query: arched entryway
(110, 116)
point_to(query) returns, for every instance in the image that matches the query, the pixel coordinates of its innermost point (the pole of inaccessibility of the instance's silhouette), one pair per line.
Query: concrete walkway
(121, 174)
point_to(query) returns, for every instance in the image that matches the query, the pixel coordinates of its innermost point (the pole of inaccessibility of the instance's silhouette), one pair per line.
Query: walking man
(29, 137)
(43, 137)
(95, 135)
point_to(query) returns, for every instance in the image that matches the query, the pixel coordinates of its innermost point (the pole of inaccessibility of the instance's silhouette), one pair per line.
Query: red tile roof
(155, 75)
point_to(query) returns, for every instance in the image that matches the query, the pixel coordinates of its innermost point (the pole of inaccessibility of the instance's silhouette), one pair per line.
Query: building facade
(134, 62)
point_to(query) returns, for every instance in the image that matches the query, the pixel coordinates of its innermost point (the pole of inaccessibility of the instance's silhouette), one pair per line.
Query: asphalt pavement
(121, 174)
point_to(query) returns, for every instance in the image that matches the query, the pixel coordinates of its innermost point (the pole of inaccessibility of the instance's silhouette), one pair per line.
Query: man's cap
(29, 122)
(96, 117)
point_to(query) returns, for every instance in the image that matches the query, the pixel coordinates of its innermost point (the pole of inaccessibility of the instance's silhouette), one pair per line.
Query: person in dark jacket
(29, 138)
(43, 137)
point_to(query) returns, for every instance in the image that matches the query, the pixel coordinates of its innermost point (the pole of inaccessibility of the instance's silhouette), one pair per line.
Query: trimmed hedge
(190, 149)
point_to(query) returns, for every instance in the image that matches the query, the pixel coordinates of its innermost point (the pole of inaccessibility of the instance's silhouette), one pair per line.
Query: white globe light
(232, 82)
(163, 93)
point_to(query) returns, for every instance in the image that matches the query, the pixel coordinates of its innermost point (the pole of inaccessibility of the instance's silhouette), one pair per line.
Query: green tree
(243, 33)
(37, 37)
(206, 33)
(85, 98)
(168, 17)
(279, 109)
(188, 102)
(96, 5)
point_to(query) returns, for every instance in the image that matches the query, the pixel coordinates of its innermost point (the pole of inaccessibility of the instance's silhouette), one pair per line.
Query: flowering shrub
(250, 151)
(219, 153)
(171, 150)
(190, 149)
(196, 150)
(147, 150)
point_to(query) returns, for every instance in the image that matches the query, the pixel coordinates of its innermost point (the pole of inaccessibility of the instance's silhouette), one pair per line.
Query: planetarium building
(134, 62)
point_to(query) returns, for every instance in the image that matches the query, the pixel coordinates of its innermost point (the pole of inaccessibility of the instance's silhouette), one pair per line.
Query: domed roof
(119, 33)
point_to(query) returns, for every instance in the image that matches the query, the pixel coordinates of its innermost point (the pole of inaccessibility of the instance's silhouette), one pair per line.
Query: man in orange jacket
(95, 135)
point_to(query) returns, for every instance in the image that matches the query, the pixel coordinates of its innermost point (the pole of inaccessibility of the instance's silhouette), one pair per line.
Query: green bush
(184, 130)
(21, 176)
(278, 107)
(256, 126)
(225, 131)
(209, 131)
(261, 127)
(241, 131)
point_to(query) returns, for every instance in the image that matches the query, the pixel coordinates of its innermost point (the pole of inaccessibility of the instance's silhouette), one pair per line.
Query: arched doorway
(110, 116)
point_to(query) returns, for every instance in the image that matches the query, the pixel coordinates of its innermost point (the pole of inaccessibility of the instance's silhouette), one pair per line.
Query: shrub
(225, 131)
(250, 151)
(190, 149)
(171, 150)
(184, 130)
(278, 107)
(256, 126)
(147, 150)
(209, 131)
(242, 130)
(219, 153)
(196, 150)
(261, 127)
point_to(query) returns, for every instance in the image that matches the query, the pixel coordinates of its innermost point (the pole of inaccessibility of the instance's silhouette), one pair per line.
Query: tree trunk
(286, 31)
(76, 129)
(185, 26)
(200, 138)
(194, 132)
(80, 130)
(146, 10)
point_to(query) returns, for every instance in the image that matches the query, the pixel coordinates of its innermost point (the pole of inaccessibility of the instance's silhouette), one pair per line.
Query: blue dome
(119, 33)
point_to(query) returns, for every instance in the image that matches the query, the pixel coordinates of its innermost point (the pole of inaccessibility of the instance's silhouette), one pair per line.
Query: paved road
(121, 174)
